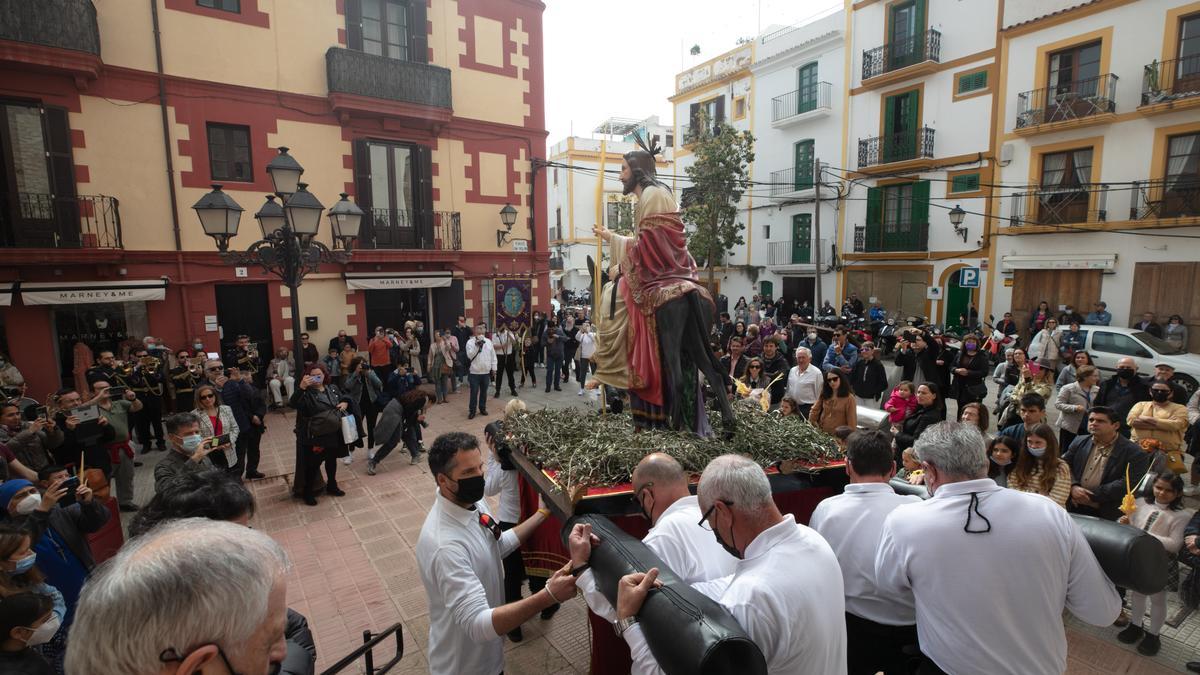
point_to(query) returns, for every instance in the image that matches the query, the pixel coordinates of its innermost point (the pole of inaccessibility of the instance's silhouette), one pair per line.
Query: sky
(619, 58)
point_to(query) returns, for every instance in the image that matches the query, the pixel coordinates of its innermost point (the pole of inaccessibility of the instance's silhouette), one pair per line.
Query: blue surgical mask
(1036, 452)
(191, 442)
(25, 564)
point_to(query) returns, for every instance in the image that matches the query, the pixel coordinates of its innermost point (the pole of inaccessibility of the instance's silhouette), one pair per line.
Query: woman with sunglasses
(217, 419)
(835, 407)
(754, 377)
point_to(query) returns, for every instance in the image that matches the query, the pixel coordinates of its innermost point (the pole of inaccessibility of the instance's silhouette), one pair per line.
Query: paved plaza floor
(354, 566)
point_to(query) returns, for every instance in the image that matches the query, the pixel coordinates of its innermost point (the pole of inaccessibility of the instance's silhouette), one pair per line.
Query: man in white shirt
(660, 487)
(878, 625)
(459, 553)
(500, 478)
(786, 592)
(957, 551)
(504, 344)
(804, 381)
(481, 367)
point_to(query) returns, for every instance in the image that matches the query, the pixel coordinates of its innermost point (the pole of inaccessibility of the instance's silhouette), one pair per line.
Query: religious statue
(653, 314)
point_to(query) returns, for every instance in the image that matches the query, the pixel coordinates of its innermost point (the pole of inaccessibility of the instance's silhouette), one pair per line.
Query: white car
(1109, 344)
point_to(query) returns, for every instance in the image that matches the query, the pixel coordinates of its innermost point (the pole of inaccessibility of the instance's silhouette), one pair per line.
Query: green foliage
(719, 177)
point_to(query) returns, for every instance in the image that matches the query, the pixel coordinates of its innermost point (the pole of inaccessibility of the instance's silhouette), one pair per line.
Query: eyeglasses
(214, 368)
(637, 492)
(704, 518)
(754, 367)
(834, 379)
(204, 396)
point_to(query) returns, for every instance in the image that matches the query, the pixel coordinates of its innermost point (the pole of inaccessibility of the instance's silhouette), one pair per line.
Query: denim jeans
(441, 383)
(479, 391)
(553, 371)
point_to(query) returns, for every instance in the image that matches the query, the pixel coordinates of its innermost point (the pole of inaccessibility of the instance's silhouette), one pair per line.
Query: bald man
(660, 489)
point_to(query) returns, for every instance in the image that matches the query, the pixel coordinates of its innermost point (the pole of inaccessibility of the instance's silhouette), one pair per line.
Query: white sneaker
(348, 459)
(580, 392)
(1191, 490)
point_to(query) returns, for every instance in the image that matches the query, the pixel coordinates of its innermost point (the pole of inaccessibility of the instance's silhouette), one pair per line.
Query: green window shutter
(919, 8)
(803, 169)
(972, 82)
(889, 116)
(910, 120)
(967, 182)
(919, 209)
(874, 207)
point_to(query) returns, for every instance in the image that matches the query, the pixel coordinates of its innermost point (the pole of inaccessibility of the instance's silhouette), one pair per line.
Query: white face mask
(27, 505)
(43, 633)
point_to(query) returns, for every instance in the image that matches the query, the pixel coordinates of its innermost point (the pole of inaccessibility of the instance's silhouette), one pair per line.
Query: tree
(719, 178)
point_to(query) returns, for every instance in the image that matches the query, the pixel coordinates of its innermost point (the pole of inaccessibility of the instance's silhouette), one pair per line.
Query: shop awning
(83, 292)
(6, 293)
(1060, 261)
(394, 280)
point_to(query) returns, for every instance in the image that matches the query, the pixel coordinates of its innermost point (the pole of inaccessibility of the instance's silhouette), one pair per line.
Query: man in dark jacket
(734, 363)
(461, 332)
(1149, 325)
(1122, 390)
(238, 393)
(868, 378)
(725, 330)
(341, 340)
(1098, 465)
(775, 365)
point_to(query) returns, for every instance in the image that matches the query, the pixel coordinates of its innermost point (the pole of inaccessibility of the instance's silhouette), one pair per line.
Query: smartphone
(86, 413)
(72, 485)
(214, 356)
(115, 393)
(218, 441)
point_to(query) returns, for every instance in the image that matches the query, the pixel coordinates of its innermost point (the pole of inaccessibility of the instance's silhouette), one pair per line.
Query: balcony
(58, 35)
(898, 238)
(1172, 197)
(556, 263)
(924, 47)
(801, 105)
(1074, 104)
(794, 182)
(367, 85)
(797, 253)
(31, 220)
(1171, 85)
(1059, 206)
(411, 230)
(901, 147)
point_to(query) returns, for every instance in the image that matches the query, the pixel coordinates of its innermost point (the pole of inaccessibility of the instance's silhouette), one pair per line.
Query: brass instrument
(150, 364)
(123, 369)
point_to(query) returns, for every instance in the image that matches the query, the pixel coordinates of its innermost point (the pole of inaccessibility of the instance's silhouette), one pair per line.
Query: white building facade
(1101, 121)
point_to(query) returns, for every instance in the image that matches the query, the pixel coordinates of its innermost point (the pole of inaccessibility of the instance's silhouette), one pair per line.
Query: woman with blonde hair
(217, 419)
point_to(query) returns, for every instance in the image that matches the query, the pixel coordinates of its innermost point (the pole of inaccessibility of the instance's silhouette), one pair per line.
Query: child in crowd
(1162, 516)
(1002, 452)
(842, 435)
(910, 468)
(902, 401)
(788, 407)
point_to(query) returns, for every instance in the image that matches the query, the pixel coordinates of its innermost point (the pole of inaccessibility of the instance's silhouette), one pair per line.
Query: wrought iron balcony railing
(795, 179)
(1171, 80)
(899, 237)
(1060, 206)
(816, 96)
(1170, 197)
(35, 220)
(907, 51)
(354, 72)
(798, 252)
(1068, 101)
(65, 24)
(404, 229)
(898, 147)
(556, 263)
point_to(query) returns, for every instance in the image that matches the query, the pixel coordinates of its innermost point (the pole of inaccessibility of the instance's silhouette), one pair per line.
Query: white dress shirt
(787, 595)
(851, 522)
(485, 363)
(587, 344)
(992, 603)
(502, 343)
(804, 386)
(459, 561)
(497, 481)
(691, 552)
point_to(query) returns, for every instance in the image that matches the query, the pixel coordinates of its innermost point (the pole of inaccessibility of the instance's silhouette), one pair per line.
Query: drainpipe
(185, 305)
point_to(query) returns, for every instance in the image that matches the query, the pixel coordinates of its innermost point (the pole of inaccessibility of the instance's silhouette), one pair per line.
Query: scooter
(886, 339)
(997, 343)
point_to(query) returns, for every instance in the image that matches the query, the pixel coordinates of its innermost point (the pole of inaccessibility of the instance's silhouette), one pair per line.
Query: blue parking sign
(968, 277)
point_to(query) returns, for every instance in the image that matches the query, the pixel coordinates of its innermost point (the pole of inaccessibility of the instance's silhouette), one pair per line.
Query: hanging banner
(512, 302)
(84, 292)
(384, 281)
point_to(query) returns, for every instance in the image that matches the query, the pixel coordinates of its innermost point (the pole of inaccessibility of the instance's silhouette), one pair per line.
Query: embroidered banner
(512, 303)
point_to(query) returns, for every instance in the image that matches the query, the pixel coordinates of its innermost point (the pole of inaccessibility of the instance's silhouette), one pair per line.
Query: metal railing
(1171, 80)
(405, 229)
(63, 24)
(556, 263)
(36, 220)
(366, 652)
(793, 252)
(353, 72)
(1060, 206)
(1068, 101)
(890, 238)
(816, 96)
(1170, 197)
(897, 147)
(795, 179)
(907, 51)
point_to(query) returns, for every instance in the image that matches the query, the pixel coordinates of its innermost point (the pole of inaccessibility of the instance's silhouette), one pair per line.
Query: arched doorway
(956, 301)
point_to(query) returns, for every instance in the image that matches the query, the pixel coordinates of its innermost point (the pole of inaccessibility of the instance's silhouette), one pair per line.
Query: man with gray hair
(190, 596)
(955, 553)
(804, 381)
(660, 489)
(188, 451)
(796, 619)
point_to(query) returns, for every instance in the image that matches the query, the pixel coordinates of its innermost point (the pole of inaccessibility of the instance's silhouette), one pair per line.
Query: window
(619, 216)
(227, 5)
(670, 143)
(766, 232)
(739, 108)
(40, 209)
(391, 28)
(906, 34)
(395, 188)
(897, 217)
(1187, 68)
(897, 207)
(806, 89)
(487, 292)
(1075, 70)
(972, 82)
(966, 182)
(1117, 343)
(900, 121)
(802, 239)
(713, 109)
(229, 152)
(1181, 196)
(1063, 197)
(555, 171)
(556, 233)
(803, 165)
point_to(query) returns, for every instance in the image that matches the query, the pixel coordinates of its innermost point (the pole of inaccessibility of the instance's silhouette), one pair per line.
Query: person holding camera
(481, 368)
(319, 407)
(31, 441)
(190, 448)
(116, 408)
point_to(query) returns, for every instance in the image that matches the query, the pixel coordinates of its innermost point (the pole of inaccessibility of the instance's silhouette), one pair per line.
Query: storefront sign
(89, 292)
(512, 301)
(399, 280)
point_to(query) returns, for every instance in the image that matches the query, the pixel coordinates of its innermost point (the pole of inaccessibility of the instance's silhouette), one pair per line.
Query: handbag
(349, 429)
(1175, 461)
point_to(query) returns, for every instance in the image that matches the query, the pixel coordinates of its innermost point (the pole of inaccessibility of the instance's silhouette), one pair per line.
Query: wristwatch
(622, 625)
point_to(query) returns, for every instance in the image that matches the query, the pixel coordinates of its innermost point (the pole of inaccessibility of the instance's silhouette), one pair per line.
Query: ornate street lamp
(288, 249)
(956, 218)
(508, 216)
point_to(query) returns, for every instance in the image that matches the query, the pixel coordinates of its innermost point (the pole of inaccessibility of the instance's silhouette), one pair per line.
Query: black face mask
(1160, 396)
(1126, 373)
(731, 550)
(470, 490)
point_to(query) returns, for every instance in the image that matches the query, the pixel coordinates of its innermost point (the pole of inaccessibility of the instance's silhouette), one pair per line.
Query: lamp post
(956, 218)
(288, 248)
(508, 216)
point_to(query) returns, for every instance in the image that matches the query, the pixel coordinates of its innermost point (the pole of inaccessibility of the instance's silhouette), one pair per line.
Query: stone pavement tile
(534, 655)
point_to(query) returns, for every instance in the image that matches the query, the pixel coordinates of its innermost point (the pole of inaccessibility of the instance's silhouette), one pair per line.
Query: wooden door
(1157, 288)
(1079, 288)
